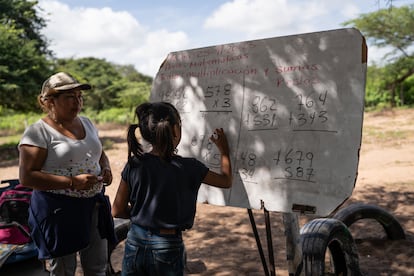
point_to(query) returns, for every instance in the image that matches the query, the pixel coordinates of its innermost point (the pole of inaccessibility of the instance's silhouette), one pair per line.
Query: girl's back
(163, 194)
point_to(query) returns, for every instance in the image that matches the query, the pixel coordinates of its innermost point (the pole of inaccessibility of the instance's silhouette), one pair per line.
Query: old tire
(357, 211)
(328, 248)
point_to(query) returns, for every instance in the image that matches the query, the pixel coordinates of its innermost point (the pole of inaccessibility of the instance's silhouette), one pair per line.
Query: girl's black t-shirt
(163, 194)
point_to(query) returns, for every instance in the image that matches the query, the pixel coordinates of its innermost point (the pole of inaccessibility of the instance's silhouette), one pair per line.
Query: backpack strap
(16, 224)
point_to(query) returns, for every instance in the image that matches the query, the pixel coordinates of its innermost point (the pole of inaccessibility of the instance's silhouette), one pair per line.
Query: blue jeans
(152, 254)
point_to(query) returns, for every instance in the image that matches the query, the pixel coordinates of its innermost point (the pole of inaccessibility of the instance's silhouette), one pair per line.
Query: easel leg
(259, 244)
(269, 242)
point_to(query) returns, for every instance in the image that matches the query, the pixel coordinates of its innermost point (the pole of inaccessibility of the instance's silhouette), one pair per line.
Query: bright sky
(142, 33)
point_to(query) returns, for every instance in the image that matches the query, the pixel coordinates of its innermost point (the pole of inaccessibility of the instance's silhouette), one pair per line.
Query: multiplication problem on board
(262, 114)
(218, 98)
(208, 153)
(247, 165)
(295, 165)
(311, 110)
(177, 97)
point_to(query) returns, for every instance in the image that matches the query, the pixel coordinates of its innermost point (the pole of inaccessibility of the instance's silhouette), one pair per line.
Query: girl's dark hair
(156, 122)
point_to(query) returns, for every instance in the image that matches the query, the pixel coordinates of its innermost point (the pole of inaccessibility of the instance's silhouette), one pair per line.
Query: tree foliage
(375, 94)
(110, 83)
(23, 16)
(24, 55)
(391, 28)
(26, 61)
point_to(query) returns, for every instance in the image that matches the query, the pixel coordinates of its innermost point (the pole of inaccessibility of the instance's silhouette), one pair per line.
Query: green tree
(101, 74)
(134, 94)
(24, 56)
(109, 81)
(408, 87)
(391, 28)
(397, 74)
(23, 15)
(375, 94)
(130, 73)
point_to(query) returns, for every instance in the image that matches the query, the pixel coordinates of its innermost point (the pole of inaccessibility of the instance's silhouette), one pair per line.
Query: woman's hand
(106, 173)
(85, 181)
(106, 176)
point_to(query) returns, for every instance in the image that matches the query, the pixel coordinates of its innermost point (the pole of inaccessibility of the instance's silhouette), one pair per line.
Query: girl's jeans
(147, 253)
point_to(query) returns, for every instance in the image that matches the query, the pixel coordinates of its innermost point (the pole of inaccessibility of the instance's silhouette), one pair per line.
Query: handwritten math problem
(308, 112)
(292, 110)
(261, 114)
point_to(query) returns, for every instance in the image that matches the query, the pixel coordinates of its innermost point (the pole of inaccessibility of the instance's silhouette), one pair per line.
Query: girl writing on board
(158, 191)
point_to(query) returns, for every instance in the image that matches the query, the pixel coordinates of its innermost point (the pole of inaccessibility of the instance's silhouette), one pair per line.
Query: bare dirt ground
(222, 241)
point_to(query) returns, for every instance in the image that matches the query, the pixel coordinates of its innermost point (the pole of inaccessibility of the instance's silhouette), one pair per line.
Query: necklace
(72, 130)
(54, 120)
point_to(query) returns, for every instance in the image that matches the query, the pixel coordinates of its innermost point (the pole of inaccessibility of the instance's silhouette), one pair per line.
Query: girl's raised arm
(225, 178)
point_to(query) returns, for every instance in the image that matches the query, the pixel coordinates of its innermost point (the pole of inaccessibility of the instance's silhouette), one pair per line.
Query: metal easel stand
(293, 248)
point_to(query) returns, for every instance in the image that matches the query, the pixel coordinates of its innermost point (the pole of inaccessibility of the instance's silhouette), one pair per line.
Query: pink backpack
(14, 214)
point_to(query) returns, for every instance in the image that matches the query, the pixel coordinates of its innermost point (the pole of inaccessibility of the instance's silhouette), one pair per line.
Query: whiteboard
(292, 108)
